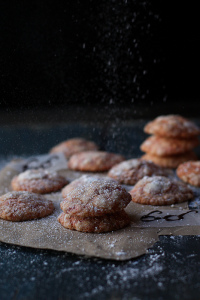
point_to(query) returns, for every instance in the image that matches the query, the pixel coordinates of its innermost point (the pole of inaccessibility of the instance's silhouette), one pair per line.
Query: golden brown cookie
(161, 146)
(95, 199)
(189, 172)
(132, 170)
(81, 181)
(160, 190)
(172, 126)
(170, 161)
(73, 146)
(39, 181)
(23, 206)
(94, 161)
(105, 223)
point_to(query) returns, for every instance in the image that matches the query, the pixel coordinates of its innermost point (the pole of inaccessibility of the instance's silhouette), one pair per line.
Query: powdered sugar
(37, 174)
(156, 184)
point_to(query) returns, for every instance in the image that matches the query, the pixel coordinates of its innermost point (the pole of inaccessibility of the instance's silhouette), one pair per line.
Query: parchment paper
(130, 242)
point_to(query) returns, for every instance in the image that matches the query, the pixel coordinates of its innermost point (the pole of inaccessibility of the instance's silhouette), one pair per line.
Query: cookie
(170, 161)
(172, 126)
(105, 223)
(24, 206)
(39, 181)
(73, 146)
(132, 170)
(94, 161)
(81, 181)
(160, 190)
(95, 199)
(161, 146)
(189, 172)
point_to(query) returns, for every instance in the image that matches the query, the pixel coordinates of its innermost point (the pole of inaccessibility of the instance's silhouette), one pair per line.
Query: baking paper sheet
(147, 222)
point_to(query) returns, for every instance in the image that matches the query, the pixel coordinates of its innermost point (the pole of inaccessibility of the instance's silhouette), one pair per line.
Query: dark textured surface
(170, 270)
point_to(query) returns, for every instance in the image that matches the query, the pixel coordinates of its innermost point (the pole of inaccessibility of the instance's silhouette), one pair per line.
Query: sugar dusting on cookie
(130, 171)
(40, 181)
(22, 206)
(159, 190)
(157, 185)
(37, 174)
(172, 126)
(95, 198)
(189, 172)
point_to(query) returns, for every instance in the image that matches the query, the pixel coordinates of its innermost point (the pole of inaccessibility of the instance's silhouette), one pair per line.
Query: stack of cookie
(172, 141)
(94, 206)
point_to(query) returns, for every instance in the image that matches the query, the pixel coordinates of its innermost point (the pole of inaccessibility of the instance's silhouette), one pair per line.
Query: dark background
(98, 53)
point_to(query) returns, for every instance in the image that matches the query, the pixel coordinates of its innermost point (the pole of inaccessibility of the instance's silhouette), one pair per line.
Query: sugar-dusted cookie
(161, 146)
(160, 190)
(39, 181)
(73, 146)
(105, 223)
(23, 206)
(132, 170)
(94, 161)
(95, 199)
(173, 126)
(81, 181)
(189, 172)
(170, 161)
